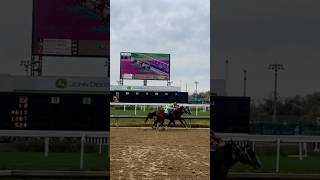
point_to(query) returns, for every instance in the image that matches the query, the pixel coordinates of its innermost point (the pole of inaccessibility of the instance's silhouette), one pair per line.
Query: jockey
(169, 108)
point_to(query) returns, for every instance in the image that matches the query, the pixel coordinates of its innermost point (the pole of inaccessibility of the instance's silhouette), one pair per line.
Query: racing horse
(177, 115)
(160, 116)
(226, 157)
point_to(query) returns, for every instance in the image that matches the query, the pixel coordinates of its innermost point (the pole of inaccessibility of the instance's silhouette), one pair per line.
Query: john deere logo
(61, 83)
(129, 88)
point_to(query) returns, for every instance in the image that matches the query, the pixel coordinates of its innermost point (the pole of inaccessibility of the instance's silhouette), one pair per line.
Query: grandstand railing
(197, 107)
(278, 139)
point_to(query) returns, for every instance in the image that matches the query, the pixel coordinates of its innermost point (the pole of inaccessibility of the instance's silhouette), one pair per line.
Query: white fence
(203, 107)
(97, 137)
(278, 139)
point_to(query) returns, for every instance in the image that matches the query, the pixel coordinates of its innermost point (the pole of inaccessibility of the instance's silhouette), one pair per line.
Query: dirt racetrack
(144, 153)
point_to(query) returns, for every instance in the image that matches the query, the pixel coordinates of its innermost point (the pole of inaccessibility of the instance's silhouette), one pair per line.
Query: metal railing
(143, 106)
(278, 139)
(97, 137)
(117, 117)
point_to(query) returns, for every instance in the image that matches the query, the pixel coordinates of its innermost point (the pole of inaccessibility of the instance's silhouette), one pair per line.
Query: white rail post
(100, 146)
(124, 107)
(204, 108)
(46, 146)
(144, 108)
(82, 151)
(300, 151)
(196, 110)
(305, 147)
(135, 109)
(278, 155)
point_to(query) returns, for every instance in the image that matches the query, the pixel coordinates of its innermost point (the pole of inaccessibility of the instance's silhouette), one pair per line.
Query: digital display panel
(71, 28)
(30, 111)
(144, 66)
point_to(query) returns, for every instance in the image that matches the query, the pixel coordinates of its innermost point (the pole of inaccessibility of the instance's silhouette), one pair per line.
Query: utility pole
(244, 82)
(275, 68)
(227, 72)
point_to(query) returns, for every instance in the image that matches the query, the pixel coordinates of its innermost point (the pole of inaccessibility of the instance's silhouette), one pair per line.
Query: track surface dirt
(144, 153)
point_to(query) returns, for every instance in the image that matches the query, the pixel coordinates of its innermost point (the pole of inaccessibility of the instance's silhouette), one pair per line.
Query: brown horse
(224, 158)
(160, 116)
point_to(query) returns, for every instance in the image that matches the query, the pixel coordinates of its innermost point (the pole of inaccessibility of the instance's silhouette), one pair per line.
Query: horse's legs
(155, 123)
(161, 123)
(174, 123)
(185, 122)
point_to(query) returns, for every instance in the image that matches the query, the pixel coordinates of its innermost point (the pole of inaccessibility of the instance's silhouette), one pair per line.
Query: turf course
(287, 165)
(139, 122)
(55, 161)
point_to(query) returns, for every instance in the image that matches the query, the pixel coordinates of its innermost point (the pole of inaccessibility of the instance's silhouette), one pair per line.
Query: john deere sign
(61, 83)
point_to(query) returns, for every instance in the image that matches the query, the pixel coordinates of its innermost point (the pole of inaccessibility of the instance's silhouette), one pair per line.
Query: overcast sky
(255, 33)
(179, 27)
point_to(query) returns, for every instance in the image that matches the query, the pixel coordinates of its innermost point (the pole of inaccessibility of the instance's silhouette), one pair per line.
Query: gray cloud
(257, 33)
(179, 27)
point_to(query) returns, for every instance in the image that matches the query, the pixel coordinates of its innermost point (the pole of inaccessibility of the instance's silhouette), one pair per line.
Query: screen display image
(71, 28)
(145, 66)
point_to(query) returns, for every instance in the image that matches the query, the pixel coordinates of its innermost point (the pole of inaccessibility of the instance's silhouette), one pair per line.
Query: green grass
(55, 161)
(134, 122)
(286, 165)
(266, 152)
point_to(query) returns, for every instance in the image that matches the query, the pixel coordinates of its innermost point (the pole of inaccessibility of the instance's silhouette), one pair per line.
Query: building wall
(149, 97)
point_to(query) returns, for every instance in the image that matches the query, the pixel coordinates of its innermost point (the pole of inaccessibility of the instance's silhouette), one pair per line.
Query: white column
(135, 109)
(82, 151)
(46, 146)
(278, 155)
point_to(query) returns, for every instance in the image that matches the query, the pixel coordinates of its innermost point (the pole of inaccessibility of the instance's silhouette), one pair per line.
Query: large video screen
(144, 66)
(71, 28)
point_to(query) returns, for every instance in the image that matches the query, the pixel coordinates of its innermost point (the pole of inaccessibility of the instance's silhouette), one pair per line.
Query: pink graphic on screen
(145, 66)
(80, 21)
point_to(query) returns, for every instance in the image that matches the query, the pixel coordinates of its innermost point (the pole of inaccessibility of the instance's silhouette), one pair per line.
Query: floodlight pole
(275, 68)
(227, 73)
(244, 82)
(196, 82)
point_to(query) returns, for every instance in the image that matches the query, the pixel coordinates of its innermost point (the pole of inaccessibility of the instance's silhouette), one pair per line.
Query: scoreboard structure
(44, 109)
